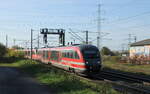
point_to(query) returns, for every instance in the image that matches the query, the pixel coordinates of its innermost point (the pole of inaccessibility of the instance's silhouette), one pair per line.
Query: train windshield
(91, 54)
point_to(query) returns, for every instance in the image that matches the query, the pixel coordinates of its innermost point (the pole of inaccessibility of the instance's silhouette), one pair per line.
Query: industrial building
(140, 50)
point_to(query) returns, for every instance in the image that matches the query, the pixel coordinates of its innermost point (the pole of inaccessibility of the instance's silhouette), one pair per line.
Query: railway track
(125, 76)
(121, 82)
(125, 82)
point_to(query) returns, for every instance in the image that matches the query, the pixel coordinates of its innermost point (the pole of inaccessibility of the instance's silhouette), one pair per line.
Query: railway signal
(60, 32)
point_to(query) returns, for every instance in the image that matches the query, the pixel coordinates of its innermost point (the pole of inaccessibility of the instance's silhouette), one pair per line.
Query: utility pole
(129, 39)
(87, 37)
(74, 41)
(6, 41)
(99, 27)
(31, 42)
(26, 44)
(38, 41)
(14, 42)
(135, 38)
(123, 47)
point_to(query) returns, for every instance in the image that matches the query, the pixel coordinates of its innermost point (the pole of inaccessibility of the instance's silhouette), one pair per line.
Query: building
(140, 49)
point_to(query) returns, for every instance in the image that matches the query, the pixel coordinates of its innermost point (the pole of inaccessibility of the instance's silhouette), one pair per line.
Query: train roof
(81, 47)
(86, 46)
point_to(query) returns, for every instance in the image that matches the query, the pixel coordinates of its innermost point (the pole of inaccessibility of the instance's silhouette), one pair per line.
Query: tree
(3, 50)
(106, 51)
(17, 47)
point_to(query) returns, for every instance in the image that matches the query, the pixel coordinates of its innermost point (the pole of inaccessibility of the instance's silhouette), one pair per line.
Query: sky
(119, 18)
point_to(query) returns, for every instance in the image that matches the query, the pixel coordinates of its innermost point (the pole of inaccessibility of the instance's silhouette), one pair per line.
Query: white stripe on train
(77, 63)
(68, 66)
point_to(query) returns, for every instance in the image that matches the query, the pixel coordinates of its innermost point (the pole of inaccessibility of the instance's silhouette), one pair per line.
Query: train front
(92, 58)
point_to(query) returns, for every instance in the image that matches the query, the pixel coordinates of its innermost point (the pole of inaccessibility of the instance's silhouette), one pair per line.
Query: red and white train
(77, 58)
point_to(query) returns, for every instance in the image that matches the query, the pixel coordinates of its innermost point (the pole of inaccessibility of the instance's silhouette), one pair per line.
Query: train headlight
(87, 62)
(98, 62)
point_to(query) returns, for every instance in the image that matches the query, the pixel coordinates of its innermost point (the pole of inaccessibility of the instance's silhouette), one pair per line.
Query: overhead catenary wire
(76, 35)
(129, 17)
(133, 27)
(122, 6)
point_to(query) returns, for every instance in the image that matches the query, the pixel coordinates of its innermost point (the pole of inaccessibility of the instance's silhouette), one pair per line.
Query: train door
(49, 55)
(59, 56)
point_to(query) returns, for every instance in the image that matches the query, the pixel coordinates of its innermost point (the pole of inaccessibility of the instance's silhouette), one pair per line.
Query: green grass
(59, 81)
(127, 67)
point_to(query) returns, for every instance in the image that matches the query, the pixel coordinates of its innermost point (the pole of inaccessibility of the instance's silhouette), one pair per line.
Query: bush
(3, 50)
(107, 51)
(15, 53)
(115, 58)
(112, 58)
(17, 47)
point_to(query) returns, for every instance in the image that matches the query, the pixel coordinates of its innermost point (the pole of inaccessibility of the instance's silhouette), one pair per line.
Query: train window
(54, 55)
(70, 54)
(26, 53)
(38, 52)
(76, 55)
(67, 55)
(29, 53)
(47, 54)
(43, 55)
(33, 52)
(64, 54)
(91, 54)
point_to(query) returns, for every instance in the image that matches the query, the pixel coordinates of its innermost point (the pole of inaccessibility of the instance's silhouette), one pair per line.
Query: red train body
(80, 58)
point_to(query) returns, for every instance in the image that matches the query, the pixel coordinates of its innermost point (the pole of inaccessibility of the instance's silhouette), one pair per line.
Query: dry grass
(128, 67)
(58, 81)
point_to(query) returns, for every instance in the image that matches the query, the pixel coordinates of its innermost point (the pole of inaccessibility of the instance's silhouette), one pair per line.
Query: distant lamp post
(31, 43)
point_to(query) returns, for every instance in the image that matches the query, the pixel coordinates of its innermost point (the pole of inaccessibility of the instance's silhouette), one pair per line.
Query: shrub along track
(71, 82)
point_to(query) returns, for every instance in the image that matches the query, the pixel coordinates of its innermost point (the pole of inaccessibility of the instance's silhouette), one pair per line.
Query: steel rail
(128, 76)
(127, 86)
(123, 87)
(120, 77)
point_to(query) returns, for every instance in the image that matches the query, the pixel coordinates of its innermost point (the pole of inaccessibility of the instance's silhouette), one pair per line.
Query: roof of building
(141, 43)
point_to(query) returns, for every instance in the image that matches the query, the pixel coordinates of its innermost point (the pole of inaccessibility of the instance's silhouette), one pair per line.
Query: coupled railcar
(79, 58)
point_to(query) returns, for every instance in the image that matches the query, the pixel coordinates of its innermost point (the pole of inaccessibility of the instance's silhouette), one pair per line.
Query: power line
(31, 42)
(6, 41)
(76, 35)
(131, 27)
(121, 6)
(129, 17)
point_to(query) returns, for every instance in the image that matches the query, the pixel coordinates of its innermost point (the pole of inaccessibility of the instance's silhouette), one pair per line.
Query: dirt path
(14, 82)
